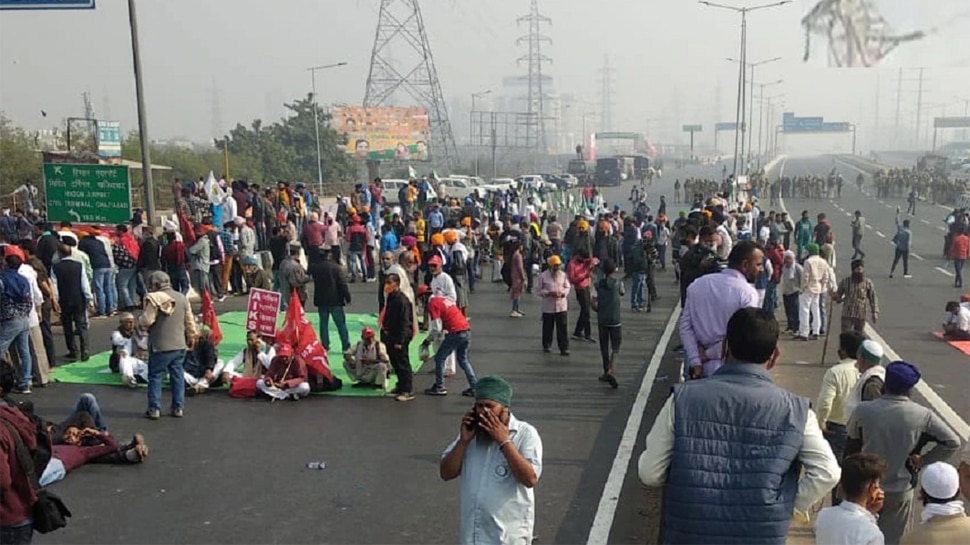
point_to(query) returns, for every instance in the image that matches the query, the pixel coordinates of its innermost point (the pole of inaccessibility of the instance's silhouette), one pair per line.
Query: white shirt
(126, 345)
(265, 357)
(443, 285)
(847, 524)
(821, 470)
(495, 507)
(36, 295)
(960, 318)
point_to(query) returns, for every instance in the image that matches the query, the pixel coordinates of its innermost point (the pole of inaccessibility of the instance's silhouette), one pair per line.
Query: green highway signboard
(87, 193)
(693, 128)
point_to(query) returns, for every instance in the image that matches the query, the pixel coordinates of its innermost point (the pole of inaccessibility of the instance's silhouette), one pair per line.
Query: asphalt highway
(234, 471)
(911, 308)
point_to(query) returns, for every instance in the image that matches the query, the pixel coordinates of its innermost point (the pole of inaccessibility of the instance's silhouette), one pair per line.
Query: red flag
(299, 332)
(209, 318)
(188, 233)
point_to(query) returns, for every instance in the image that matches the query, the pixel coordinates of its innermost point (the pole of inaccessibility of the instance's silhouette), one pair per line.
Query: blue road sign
(791, 123)
(109, 138)
(726, 126)
(46, 4)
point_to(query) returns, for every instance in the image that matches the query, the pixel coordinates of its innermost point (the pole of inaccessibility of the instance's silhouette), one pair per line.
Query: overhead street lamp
(750, 105)
(739, 138)
(966, 111)
(471, 123)
(316, 118)
(761, 114)
(767, 127)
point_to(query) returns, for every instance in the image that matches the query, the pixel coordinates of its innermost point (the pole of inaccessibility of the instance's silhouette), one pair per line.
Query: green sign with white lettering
(87, 193)
(693, 128)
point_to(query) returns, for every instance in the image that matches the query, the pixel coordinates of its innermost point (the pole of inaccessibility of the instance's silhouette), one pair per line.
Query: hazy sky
(669, 57)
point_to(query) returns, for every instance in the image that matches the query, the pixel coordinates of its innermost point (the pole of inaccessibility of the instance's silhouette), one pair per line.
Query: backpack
(15, 288)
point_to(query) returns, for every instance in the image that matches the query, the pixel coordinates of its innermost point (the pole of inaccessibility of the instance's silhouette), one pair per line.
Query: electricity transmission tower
(400, 29)
(858, 36)
(536, 126)
(606, 94)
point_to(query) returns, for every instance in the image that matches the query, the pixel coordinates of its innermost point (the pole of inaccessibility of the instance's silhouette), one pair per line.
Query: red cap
(367, 333)
(13, 249)
(285, 349)
(435, 260)
(423, 290)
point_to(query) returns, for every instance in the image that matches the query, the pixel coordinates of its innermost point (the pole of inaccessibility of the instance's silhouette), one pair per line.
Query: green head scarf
(494, 388)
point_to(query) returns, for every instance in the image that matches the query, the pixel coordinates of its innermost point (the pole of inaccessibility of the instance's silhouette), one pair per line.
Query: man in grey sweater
(899, 430)
(171, 330)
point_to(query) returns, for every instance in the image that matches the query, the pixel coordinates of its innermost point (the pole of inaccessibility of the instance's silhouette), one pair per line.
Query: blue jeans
(636, 293)
(771, 297)
(457, 343)
(89, 404)
(16, 333)
(357, 266)
(127, 282)
(180, 279)
(105, 290)
(158, 363)
(339, 320)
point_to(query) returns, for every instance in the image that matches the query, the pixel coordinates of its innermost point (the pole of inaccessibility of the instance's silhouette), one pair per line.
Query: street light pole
(742, 72)
(761, 114)
(471, 119)
(316, 119)
(750, 124)
(146, 156)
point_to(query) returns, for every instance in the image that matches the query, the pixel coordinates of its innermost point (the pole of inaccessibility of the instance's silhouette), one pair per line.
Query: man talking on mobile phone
(499, 460)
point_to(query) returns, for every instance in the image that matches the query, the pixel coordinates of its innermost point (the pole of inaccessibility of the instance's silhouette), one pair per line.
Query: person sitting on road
(956, 326)
(129, 352)
(368, 362)
(203, 368)
(286, 377)
(252, 361)
(255, 276)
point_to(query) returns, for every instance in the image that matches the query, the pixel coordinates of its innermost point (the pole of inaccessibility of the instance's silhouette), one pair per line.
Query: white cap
(871, 351)
(940, 481)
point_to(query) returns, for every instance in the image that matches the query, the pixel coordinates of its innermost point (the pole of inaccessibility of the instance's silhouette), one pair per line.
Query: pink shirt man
(711, 301)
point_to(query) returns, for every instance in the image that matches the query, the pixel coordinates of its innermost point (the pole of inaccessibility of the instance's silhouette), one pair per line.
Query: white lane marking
(599, 532)
(944, 271)
(881, 202)
(880, 234)
(935, 402)
(924, 221)
(868, 226)
(917, 256)
(941, 228)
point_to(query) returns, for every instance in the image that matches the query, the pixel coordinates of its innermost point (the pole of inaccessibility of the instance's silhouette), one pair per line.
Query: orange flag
(209, 318)
(299, 332)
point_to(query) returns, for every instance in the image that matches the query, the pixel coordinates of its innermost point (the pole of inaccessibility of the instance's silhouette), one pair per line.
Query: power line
(536, 128)
(401, 30)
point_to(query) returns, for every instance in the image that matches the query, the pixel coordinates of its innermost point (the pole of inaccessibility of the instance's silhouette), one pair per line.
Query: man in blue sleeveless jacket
(730, 449)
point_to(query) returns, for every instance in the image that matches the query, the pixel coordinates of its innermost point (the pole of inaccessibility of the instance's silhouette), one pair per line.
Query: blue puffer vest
(734, 470)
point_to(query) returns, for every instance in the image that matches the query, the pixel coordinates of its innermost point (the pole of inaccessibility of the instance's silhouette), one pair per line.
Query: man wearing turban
(898, 429)
(499, 461)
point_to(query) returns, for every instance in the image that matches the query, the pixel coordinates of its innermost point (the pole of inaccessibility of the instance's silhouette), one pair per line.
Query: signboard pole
(146, 157)
(691, 144)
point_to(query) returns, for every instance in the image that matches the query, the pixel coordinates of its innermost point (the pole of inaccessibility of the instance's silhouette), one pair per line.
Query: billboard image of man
(361, 147)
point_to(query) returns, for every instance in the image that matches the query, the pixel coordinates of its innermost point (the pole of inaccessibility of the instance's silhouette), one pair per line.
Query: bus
(609, 171)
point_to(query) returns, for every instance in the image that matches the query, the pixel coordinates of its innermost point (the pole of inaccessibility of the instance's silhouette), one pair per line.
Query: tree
(287, 150)
(19, 160)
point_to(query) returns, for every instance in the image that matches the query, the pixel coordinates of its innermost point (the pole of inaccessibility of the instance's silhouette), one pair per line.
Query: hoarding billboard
(385, 133)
